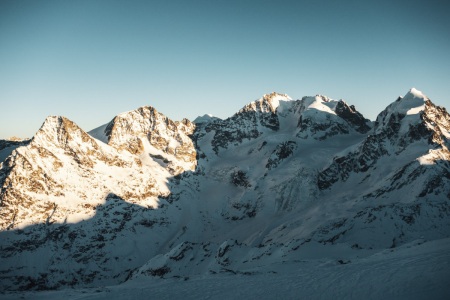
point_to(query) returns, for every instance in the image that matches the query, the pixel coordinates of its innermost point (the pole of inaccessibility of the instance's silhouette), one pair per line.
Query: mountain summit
(147, 132)
(280, 182)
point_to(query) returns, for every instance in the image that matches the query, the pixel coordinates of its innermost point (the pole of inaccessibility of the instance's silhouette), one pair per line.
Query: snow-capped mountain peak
(323, 117)
(412, 103)
(268, 103)
(414, 117)
(409, 108)
(274, 99)
(320, 103)
(415, 93)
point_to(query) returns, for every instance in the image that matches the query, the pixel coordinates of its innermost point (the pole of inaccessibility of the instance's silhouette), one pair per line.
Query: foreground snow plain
(418, 270)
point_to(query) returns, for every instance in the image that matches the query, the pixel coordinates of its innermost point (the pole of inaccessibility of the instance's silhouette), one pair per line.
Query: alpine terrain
(286, 198)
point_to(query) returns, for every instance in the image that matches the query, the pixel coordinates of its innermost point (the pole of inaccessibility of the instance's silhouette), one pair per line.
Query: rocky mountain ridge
(281, 180)
(147, 130)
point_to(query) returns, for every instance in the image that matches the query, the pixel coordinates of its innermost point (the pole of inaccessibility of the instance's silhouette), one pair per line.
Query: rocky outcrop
(281, 152)
(352, 116)
(132, 131)
(247, 124)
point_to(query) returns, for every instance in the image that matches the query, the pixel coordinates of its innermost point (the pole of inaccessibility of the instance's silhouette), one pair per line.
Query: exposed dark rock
(352, 116)
(239, 178)
(281, 152)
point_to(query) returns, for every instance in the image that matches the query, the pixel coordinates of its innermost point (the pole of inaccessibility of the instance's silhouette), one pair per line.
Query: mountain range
(280, 182)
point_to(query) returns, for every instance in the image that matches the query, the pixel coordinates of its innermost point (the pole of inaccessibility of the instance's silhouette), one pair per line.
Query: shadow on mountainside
(103, 249)
(7, 147)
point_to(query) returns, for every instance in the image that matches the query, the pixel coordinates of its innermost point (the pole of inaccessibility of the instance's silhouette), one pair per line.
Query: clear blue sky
(90, 60)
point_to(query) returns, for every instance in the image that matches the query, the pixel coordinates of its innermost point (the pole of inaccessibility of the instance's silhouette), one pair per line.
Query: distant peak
(322, 98)
(415, 93)
(16, 139)
(276, 96)
(206, 118)
(144, 111)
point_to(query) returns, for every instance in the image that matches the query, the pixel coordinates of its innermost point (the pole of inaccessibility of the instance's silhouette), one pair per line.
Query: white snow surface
(419, 270)
(320, 103)
(412, 103)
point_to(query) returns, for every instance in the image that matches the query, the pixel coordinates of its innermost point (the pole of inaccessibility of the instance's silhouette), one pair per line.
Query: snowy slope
(280, 182)
(418, 270)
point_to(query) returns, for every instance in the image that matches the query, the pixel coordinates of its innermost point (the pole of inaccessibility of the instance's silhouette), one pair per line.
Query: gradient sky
(90, 60)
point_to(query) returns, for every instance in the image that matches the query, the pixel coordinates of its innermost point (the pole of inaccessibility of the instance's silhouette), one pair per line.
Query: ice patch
(425, 160)
(415, 110)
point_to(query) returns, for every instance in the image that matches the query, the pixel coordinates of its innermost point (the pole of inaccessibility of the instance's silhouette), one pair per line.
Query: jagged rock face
(360, 160)
(412, 118)
(233, 130)
(248, 123)
(128, 131)
(281, 152)
(277, 181)
(63, 171)
(413, 125)
(321, 118)
(352, 116)
(437, 121)
(265, 110)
